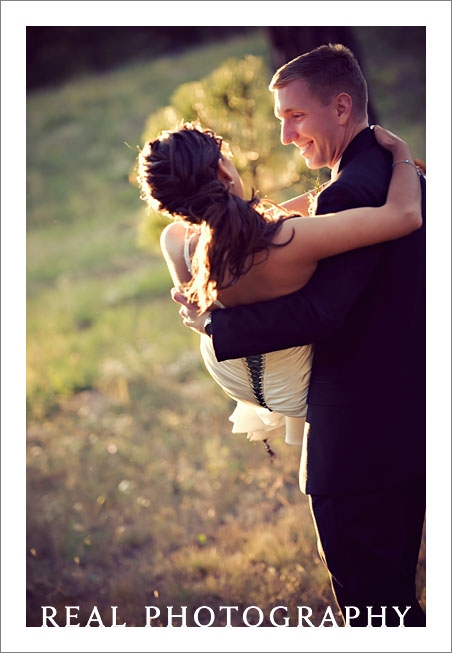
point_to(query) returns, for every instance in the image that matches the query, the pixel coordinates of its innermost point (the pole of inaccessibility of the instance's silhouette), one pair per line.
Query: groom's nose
(288, 133)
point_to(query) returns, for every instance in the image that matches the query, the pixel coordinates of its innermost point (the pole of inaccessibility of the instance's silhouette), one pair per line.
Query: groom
(363, 459)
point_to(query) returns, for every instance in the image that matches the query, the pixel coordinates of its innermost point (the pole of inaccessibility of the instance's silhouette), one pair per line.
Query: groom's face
(308, 124)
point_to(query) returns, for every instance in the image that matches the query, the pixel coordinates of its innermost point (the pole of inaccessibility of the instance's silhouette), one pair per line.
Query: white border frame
(15, 16)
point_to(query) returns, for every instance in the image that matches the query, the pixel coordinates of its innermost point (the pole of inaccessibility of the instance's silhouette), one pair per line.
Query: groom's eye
(297, 116)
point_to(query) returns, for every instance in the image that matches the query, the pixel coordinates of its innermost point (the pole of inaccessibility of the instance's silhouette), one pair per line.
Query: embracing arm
(172, 242)
(335, 233)
(303, 317)
(323, 305)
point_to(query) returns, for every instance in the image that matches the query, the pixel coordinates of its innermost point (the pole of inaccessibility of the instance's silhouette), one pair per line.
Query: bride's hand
(189, 312)
(391, 142)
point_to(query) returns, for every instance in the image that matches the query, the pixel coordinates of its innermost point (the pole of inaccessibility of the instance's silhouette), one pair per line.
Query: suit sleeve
(309, 314)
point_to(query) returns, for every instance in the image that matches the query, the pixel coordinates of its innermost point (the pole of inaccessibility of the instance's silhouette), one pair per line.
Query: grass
(138, 494)
(153, 515)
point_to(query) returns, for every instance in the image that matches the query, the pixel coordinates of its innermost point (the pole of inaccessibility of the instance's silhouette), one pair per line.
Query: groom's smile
(304, 148)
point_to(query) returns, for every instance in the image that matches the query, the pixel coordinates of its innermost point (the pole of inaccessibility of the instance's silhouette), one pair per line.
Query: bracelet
(405, 161)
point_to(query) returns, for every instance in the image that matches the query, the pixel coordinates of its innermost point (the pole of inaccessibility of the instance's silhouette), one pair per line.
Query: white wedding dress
(270, 389)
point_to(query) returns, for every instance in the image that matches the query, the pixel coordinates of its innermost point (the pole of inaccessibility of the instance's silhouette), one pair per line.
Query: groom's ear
(343, 105)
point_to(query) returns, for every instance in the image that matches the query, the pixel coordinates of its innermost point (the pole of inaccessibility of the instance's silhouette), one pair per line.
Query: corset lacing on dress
(255, 365)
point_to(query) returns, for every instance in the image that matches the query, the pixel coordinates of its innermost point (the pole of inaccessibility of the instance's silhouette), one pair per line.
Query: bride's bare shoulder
(172, 242)
(173, 236)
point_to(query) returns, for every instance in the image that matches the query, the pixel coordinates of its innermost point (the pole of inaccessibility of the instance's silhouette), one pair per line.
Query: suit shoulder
(363, 181)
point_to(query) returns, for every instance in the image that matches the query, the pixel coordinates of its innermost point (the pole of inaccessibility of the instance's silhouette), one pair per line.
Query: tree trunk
(289, 42)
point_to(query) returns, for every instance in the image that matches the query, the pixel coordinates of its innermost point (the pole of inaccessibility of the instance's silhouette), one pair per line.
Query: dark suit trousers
(370, 544)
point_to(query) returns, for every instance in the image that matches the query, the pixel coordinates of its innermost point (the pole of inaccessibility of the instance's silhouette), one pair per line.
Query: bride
(222, 251)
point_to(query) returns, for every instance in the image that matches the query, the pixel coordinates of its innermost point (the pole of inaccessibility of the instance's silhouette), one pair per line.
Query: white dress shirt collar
(335, 170)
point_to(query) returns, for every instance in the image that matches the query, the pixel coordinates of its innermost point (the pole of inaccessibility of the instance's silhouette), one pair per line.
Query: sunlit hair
(177, 173)
(328, 70)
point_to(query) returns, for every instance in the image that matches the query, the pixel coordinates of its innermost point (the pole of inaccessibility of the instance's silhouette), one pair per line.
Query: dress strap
(187, 258)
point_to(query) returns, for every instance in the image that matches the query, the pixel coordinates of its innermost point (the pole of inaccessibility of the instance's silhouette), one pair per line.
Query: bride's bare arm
(172, 242)
(333, 234)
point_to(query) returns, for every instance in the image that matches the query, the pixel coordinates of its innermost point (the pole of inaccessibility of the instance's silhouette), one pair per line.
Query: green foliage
(235, 102)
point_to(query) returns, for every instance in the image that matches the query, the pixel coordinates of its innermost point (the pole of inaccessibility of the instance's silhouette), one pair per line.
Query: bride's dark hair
(178, 175)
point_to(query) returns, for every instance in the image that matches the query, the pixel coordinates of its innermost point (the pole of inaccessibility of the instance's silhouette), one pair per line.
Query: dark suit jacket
(365, 312)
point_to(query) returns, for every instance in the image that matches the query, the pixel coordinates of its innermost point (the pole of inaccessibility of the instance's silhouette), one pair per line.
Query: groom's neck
(351, 130)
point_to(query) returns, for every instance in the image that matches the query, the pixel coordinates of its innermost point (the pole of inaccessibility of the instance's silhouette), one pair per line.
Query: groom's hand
(189, 312)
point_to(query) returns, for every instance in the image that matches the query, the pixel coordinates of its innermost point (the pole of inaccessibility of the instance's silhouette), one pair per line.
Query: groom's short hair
(328, 70)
